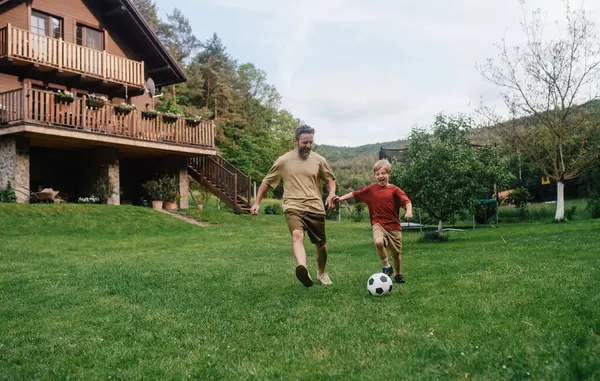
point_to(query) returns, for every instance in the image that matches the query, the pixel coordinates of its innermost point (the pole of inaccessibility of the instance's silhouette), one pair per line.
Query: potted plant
(193, 120)
(149, 114)
(64, 97)
(96, 101)
(156, 193)
(170, 187)
(170, 117)
(124, 108)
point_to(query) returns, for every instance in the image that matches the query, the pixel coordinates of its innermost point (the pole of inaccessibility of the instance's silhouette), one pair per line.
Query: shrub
(520, 197)
(8, 194)
(357, 214)
(273, 209)
(593, 205)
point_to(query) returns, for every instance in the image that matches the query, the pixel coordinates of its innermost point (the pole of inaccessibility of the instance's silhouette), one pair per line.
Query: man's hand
(330, 202)
(254, 209)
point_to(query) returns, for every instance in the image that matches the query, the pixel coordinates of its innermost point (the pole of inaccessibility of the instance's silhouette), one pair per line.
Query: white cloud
(364, 72)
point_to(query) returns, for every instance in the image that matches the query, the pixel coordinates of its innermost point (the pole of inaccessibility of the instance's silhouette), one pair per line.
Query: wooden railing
(22, 44)
(244, 182)
(43, 107)
(216, 174)
(11, 106)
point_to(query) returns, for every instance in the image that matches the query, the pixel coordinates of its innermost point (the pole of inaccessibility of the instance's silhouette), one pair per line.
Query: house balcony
(41, 115)
(46, 53)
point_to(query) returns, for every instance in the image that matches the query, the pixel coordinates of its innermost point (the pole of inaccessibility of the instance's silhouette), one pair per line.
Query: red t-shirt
(384, 204)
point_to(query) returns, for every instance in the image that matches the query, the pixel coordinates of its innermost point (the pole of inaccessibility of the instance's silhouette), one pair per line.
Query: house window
(46, 25)
(89, 37)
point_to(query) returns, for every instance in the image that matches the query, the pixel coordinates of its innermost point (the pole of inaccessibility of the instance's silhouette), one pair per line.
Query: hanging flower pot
(193, 121)
(149, 114)
(64, 97)
(169, 117)
(124, 108)
(96, 101)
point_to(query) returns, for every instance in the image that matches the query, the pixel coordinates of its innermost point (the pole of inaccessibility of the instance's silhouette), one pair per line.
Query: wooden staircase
(225, 181)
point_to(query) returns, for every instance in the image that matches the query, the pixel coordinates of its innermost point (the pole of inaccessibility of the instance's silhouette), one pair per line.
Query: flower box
(193, 121)
(96, 101)
(149, 114)
(124, 108)
(170, 117)
(64, 97)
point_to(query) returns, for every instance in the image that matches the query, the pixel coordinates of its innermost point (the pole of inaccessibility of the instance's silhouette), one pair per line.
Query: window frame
(50, 23)
(84, 26)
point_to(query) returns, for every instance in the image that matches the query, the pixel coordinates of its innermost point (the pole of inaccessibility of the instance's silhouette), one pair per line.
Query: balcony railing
(44, 108)
(20, 44)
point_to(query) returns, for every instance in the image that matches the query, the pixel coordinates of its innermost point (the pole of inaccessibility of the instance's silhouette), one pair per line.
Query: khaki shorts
(312, 223)
(392, 239)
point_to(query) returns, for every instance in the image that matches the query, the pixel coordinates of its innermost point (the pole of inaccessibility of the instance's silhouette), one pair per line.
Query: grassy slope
(98, 292)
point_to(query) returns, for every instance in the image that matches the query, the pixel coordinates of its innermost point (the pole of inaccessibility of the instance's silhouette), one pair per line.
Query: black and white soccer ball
(379, 284)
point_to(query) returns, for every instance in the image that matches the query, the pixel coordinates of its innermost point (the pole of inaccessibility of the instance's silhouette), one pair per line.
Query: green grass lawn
(94, 292)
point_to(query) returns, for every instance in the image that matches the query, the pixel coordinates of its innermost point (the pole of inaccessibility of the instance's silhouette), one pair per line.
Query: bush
(274, 209)
(357, 214)
(8, 194)
(520, 197)
(593, 205)
(484, 212)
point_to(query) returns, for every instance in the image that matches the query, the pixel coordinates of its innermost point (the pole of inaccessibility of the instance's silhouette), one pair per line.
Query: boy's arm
(408, 215)
(345, 197)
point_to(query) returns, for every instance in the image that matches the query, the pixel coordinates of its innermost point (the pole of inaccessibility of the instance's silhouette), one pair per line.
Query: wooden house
(77, 86)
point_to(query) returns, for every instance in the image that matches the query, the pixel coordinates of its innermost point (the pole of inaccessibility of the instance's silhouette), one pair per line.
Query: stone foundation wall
(14, 165)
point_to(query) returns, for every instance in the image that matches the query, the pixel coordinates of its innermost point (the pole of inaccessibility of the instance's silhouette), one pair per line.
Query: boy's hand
(330, 202)
(408, 216)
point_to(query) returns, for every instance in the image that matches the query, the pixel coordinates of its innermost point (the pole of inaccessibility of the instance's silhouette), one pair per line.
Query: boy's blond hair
(383, 163)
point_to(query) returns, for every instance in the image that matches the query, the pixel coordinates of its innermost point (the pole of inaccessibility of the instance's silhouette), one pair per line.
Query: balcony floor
(65, 137)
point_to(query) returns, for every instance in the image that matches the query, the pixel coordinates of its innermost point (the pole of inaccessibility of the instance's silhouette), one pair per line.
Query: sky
(363, 72)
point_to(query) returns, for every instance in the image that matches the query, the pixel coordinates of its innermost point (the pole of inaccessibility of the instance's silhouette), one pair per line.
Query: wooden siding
(16, 16)
(9, 82)
(73, 12)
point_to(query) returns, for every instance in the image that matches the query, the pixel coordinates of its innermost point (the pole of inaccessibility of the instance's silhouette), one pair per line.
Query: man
(302, 172)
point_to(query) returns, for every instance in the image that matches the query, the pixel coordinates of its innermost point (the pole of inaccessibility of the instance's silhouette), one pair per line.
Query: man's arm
(264, 187)
(331, 195)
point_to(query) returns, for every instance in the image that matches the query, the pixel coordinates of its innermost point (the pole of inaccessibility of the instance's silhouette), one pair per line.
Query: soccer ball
(379, 284)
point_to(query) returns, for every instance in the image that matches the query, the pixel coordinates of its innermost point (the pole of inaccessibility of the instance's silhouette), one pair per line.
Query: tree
(149, 11)
(445, 172)
(178, 37)
(550, 88)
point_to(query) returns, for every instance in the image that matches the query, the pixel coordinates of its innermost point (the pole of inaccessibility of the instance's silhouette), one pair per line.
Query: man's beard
(304, 152)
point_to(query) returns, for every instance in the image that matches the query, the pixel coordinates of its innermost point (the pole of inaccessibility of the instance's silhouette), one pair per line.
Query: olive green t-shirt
(302, 189)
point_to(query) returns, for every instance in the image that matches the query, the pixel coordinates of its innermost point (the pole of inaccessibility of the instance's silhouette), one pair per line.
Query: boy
(384, 201)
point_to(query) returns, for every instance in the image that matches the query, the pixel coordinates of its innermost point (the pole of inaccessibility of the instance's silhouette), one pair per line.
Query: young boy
(384, 201)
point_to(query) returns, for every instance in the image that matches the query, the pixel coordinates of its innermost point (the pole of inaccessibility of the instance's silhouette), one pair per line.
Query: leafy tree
(549, 87)
(149, 11)
(445, 173)
(178, 37)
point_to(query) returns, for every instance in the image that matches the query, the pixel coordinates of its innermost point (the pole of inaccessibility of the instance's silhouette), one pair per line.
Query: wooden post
(249, 188)
(83, 111)
(60, 53)
(235, 189)
(8, 40)
(104, 64)
(25, 100)
(141, 75)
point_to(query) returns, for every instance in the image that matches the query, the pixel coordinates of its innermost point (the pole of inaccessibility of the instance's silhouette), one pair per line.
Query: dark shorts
(312, 223)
